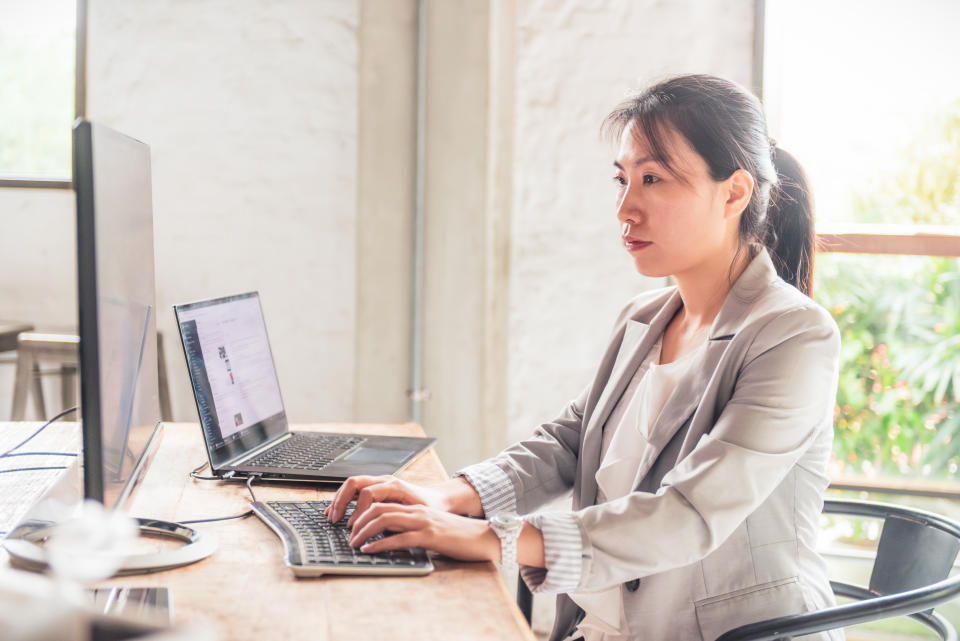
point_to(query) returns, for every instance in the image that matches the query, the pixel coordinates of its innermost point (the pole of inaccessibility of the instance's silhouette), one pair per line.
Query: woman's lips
(635, 245)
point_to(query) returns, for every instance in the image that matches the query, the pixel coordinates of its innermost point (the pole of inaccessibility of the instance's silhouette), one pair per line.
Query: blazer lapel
(638, 338)
(681, 404)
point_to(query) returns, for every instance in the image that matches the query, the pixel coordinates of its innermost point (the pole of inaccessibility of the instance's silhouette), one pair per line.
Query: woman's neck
(704, 289)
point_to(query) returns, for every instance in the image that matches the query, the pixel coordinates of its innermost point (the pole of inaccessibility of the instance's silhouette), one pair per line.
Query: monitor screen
(119, 390)
(232, 372)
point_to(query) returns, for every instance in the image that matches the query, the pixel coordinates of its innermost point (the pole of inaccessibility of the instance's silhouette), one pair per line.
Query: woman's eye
(620, 181)
(649, 179)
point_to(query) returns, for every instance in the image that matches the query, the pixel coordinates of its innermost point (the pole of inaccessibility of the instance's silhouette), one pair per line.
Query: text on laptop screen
(231, 366)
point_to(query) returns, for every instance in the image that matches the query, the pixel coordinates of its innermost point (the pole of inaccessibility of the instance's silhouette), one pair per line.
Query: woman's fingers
(456, 536)
(412, 539)
(397, 521)
(347, 492)
(388, 490)
(379, 509)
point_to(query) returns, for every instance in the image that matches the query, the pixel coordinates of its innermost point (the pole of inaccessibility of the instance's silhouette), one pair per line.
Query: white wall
(250, 112)
(569, 276)
(283, 151)
(38, 276)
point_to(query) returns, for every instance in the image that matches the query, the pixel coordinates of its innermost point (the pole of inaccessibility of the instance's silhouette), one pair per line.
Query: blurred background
(420, 193)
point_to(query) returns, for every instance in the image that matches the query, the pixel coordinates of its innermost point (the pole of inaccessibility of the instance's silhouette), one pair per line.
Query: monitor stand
(26, 554)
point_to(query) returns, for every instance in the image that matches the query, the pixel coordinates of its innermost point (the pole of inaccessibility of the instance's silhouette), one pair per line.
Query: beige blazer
(726, 530)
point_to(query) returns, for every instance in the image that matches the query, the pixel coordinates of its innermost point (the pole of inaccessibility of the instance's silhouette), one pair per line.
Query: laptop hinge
(243, 458)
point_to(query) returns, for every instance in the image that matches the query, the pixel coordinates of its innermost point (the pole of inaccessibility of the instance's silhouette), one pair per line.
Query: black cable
(222, 518)
(195, 474)
(250, 480)
(43, 427)
(30, 469)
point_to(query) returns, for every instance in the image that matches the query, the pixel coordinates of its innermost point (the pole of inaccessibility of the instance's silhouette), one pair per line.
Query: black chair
(910, 577)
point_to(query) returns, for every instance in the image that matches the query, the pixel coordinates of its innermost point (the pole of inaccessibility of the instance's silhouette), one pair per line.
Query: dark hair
(724, 123)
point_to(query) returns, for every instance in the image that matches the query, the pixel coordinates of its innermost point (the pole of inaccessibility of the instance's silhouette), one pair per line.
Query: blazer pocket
(720, 614)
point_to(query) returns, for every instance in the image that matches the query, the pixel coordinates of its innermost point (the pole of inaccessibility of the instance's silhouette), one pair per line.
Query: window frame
(79, 99)
(900, 240)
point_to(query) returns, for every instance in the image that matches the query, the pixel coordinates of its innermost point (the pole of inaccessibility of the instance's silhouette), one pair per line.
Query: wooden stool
(63, 348)
(31, 349)
(9, 332)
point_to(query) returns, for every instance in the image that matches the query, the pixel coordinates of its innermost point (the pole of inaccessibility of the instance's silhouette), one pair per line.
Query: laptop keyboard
(305, 451)
(313, 545)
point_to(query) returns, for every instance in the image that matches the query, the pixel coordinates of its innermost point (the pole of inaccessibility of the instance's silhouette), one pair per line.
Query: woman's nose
(628, 209)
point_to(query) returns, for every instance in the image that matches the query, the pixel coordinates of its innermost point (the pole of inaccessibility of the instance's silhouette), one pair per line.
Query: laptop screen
(232, 372)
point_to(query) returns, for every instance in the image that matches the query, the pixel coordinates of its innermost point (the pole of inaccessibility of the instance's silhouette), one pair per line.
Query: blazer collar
(637, 339)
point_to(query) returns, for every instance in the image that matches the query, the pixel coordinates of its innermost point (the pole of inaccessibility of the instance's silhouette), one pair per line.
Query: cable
(41, 454)
(250, 480)
(30, 469)
(195, 474)
(222, 518)
(43, 427)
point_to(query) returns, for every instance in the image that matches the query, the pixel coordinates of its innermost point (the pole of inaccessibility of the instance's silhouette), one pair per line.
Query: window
(864, 94)
(868, 103)
(39, 101)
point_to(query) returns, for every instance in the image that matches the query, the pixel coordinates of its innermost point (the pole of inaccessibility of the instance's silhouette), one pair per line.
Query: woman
(697, 455)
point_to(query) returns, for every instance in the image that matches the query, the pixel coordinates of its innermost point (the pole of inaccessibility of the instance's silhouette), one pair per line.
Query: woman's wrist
(530, 550)
(461, 497)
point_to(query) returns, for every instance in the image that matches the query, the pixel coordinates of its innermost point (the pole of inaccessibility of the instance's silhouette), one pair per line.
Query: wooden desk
(245, 592)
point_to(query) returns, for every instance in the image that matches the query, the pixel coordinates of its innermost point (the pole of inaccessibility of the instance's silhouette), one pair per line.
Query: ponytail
(788, 232)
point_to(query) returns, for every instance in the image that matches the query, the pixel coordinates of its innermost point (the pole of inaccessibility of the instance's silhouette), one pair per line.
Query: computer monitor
(119, 391)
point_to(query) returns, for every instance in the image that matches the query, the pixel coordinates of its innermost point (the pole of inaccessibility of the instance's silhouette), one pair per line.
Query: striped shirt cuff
(562, 551)
(493, 485)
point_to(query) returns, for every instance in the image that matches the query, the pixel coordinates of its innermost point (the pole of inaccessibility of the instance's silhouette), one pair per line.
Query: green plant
(900, 363)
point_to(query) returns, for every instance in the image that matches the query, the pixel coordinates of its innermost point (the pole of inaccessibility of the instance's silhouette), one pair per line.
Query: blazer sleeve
(537, 470)
(783, 398)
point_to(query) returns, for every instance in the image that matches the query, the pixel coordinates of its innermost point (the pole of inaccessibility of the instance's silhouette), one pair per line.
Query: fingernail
(364, 548)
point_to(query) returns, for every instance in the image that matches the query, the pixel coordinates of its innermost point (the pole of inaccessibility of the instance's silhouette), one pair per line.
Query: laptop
(241, 411)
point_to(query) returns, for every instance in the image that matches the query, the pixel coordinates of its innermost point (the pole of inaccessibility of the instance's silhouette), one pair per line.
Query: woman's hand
(458, 537)
(454, 495)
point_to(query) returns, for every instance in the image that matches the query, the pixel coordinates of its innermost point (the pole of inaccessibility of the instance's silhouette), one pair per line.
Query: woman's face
(672, 224)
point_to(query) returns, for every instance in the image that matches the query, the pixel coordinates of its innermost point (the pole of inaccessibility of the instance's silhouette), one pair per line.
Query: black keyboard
(305, 451)
(314, 546)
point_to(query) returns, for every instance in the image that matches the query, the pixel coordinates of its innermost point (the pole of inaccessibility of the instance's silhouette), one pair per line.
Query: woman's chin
(644, 268)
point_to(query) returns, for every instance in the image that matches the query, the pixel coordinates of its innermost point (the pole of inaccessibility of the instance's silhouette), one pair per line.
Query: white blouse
(624, 436)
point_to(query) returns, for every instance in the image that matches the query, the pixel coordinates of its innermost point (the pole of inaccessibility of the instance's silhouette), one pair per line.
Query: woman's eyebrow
(616, 163)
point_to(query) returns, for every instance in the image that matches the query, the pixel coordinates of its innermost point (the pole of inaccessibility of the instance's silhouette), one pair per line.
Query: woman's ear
(738, 192)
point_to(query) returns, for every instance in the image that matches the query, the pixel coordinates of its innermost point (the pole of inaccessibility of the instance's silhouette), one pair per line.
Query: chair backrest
(910, 574)
(912, 553)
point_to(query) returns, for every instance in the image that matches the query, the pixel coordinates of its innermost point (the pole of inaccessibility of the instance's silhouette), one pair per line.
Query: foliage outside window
(897, 410)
